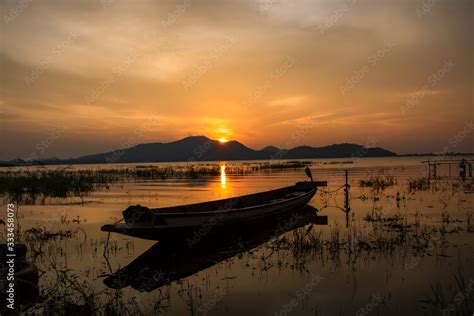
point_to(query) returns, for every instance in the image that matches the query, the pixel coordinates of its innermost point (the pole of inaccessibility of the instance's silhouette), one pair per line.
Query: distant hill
(201, 148)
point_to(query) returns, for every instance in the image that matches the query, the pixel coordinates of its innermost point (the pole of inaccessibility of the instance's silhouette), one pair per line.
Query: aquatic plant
(20, 186)
(67, 292)
(421, 184)
(443, 301)
(29, 186)
(377, 217)
(43, 234)
(378, 183)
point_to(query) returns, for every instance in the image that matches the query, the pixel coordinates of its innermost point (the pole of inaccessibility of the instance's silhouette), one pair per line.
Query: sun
(223, 140)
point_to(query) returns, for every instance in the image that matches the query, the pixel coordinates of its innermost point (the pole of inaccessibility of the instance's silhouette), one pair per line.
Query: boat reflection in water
(168, 261)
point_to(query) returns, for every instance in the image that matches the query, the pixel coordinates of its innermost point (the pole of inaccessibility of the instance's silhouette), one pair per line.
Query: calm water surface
(383, 271)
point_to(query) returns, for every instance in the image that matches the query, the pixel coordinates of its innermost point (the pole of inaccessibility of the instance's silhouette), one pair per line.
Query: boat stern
(115, 228)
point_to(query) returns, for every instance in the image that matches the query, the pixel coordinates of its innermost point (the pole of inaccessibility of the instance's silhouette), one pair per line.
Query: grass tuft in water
(378, 183)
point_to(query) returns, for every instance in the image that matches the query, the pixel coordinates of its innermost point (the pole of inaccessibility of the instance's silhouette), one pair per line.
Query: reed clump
(69, 295)
(64, 291)
(452, 300)
(421, 184)
(28, 185)
(378, 183)
(293, 164)
(166, 172)
(44, 234)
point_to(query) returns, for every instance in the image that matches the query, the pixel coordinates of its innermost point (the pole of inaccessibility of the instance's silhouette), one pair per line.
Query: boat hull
(200, 225)
(176, 223)
(237, 215)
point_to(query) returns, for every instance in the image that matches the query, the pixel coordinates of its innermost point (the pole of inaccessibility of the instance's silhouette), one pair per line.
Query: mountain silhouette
(201, 148)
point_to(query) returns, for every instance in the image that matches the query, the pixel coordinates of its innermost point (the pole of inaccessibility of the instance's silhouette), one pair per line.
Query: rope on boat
(332, 206)
(118, 221)
(332, 191)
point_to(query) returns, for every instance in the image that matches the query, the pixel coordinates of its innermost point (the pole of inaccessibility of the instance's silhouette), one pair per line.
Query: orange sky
(82, 77)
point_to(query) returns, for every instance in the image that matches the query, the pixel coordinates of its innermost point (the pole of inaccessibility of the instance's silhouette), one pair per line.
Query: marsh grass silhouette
(31, 186)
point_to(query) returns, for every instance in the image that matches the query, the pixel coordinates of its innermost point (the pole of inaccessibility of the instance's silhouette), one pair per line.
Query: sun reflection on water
(223, 177)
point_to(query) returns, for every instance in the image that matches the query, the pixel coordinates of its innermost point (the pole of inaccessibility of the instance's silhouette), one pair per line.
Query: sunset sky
(84, 77)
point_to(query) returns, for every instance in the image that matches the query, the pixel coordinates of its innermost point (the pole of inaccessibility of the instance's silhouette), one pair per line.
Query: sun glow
(223, 140)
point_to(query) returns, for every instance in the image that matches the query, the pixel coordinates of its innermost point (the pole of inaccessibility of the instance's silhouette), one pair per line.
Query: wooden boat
(203, 218)
(173, 260)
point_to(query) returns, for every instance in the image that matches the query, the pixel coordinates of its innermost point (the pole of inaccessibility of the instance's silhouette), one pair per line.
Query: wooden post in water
(346, 198)
(429, 171)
